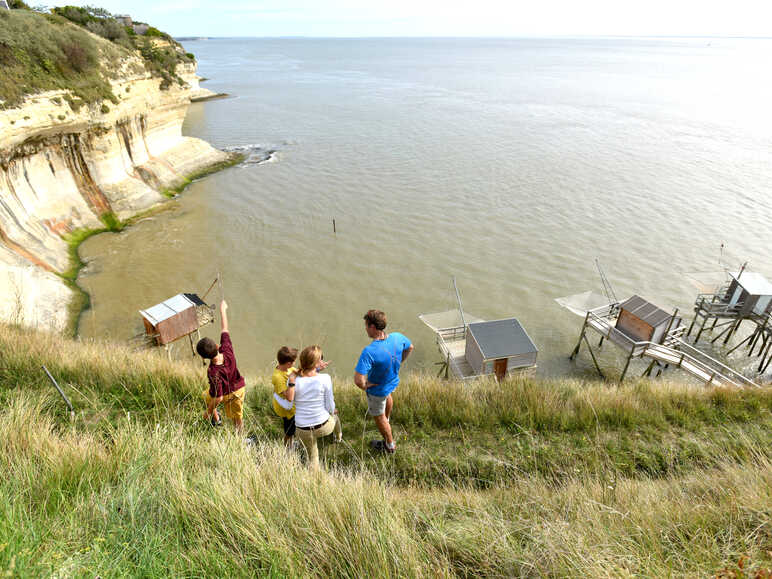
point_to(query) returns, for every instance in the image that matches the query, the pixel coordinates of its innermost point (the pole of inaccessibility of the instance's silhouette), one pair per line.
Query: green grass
(530, 478)
(233, 159)
(41, 52)
(45, 52)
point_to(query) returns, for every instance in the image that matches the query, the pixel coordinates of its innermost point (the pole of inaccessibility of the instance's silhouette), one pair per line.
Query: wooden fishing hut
(472, 347)
(747, 296)
(175, 318)
(499, 346)
(643, 330)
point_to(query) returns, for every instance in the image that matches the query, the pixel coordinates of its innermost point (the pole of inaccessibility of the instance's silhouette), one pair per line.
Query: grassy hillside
(75, 50)
(533, 478)
(46, 52)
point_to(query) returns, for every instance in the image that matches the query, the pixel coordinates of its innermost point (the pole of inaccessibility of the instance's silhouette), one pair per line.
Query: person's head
(207, 348)
(286, 355)
(375, 322)
(310, 358)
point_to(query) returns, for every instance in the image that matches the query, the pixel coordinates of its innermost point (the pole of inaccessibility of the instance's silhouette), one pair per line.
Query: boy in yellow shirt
(281, 406)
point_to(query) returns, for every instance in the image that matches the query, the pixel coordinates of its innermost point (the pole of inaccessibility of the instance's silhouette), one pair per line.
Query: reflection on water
(510, 164)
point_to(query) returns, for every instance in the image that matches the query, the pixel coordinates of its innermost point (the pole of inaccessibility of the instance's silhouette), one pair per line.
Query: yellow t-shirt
(279, 381)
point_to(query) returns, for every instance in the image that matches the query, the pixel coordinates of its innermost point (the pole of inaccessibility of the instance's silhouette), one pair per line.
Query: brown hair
(286, 354)
(207, 348)
(310, 358)
(376, 318)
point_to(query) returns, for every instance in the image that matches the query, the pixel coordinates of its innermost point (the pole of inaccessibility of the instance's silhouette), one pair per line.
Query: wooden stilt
(600, 343)
(746, 340)
(592, 354)
(702, 327)
(697, 311)
(733, 329)
(766, 359)
(647, 371)
(729, 327)
(627, 365)
(581, 335)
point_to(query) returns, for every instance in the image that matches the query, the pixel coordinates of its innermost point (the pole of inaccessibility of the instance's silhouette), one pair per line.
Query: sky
(353, 18)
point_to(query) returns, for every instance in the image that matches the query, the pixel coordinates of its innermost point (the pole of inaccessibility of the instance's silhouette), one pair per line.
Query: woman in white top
(315, 413)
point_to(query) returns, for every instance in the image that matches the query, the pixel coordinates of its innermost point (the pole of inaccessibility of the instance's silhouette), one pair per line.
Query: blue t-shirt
(380, 362)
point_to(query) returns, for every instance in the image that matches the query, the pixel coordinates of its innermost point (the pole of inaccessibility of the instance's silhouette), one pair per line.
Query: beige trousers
(308, 438)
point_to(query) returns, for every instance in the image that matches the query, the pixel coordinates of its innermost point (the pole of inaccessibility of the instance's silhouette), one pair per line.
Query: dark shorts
(289, 426)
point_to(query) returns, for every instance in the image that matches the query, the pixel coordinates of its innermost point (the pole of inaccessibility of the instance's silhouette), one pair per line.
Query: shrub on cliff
(44, 52)
(161, 58)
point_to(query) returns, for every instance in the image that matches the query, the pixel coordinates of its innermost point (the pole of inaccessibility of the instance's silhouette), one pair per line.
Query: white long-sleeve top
(314, 401)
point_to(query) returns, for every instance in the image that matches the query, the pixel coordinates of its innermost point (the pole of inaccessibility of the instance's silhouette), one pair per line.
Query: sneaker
(381, 446)
(217, 422)
(251, 440)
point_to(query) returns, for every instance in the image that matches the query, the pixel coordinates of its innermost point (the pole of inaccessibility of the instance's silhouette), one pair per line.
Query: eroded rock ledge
(63, 170)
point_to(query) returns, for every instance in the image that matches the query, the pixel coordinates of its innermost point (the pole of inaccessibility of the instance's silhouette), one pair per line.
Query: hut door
(500, 368)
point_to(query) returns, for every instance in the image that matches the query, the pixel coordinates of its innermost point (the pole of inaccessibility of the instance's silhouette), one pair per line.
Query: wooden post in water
(334, 229)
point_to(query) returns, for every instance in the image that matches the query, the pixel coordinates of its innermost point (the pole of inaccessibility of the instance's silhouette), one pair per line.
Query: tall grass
(529, 479)
(45, 52)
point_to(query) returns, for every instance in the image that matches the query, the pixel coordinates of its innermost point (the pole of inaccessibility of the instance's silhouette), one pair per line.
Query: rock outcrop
(62, 170)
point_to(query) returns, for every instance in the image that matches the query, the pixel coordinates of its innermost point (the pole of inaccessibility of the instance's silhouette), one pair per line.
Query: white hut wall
(473, 353)
(763, 305)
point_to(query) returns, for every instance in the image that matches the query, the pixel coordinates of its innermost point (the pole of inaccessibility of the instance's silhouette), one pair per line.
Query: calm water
(510, 164)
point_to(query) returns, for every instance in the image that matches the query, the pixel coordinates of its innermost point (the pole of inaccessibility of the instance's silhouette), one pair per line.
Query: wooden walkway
(672, 352)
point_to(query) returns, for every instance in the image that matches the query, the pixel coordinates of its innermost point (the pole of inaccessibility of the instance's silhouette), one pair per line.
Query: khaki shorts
(376, 405)
(233, 403)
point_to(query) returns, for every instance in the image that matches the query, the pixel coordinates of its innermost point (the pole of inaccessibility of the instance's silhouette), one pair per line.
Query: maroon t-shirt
(225, 378)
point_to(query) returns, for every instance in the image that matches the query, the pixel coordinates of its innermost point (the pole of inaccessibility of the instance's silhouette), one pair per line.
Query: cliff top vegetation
(527, 478)
(58, 51)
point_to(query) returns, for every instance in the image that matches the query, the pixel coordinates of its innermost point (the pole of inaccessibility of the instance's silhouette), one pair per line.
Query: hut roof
(754, 283)
(645, 311)
(168, 308)
(502, 338)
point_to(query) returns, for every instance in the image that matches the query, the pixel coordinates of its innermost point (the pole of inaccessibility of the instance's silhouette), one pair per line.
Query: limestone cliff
(63, 169)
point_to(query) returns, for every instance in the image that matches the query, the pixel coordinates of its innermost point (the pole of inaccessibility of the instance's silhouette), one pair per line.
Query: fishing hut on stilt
(643, 330)
(746, 297)
(472, 347)
(175, 318)
(179, 316)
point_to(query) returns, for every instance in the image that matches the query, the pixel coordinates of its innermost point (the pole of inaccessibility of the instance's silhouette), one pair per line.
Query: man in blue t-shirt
(377, 373)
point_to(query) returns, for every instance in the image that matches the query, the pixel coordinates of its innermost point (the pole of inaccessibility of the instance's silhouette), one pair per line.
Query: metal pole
(460, 306)
(61, 393)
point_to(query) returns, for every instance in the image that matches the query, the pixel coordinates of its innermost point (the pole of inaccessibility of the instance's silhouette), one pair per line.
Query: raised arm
(224, 316)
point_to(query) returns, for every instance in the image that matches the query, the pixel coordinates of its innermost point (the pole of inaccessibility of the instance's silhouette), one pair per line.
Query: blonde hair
(310, 358)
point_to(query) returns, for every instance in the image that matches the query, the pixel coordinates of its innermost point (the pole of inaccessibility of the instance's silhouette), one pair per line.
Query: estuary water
(510, 164)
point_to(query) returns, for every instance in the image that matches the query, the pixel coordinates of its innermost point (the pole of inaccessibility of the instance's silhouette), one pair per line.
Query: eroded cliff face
(62, 170)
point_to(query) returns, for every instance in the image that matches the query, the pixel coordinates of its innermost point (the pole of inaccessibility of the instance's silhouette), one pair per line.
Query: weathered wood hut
(498, 346)
(642, 321)
(175, 318)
